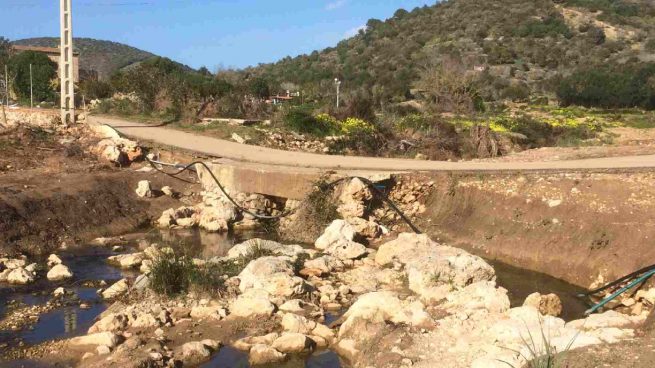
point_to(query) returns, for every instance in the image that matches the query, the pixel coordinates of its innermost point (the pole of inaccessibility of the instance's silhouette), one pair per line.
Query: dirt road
(241, 152)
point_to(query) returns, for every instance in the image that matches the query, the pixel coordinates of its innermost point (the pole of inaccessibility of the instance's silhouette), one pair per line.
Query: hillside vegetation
(520, 48)
(105, 57)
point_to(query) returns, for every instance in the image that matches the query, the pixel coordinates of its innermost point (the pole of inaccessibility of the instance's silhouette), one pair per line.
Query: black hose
(369, 183)
(618, 281)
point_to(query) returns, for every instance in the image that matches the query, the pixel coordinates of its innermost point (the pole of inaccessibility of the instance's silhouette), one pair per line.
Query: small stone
(144, 189)
(103, 350)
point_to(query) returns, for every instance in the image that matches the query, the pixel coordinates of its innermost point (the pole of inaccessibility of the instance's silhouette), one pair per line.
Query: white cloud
(335, 4)
(354, 31)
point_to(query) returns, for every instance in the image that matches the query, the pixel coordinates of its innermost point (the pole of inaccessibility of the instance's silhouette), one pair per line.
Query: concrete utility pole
(31, 89)
(66, 63)
(337, 82)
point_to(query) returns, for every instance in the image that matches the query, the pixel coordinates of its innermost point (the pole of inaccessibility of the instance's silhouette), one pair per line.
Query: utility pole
(31, 89)
(66, 63)
(7, 84)
(337, 82)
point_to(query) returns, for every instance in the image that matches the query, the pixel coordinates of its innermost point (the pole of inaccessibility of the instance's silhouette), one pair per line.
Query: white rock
(196, 349)
(103, 350)
(346, 250)
(273, 274)
(59, 272)
(60, 291)
(246, 343)
(144, 189)
(117, 289)
(110, 323)
(54, 260)
(20, 276)
(254, 302)
(103, 338)
(250, 246)
(167, 191)
(353, 198)
(293, 343)
(549, 305)
(127, 261)
(338, 232)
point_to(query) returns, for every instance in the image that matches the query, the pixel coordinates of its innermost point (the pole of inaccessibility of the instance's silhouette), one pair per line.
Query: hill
(519, 48)
(105, 57)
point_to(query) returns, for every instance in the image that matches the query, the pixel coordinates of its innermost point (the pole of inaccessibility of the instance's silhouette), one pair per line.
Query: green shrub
(550, 27)
(171, 274)
(627, 86)
(96, 89)
(44, 71)
(301, 120)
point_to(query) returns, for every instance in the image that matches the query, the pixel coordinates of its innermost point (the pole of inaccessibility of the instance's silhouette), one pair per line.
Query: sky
(211, 33)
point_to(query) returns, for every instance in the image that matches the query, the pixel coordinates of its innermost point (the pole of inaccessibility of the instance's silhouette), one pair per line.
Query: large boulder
(59, 272)
(246, 343)
(20, 276)
(293, 343)
(481, 296)
(273, 274)
(431, 267)
(338, 232)
(252, 303)
(382, 307)
(261, 354)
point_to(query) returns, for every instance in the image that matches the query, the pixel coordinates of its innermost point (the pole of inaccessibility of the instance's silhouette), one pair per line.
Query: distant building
(280, 99)
(54, 55)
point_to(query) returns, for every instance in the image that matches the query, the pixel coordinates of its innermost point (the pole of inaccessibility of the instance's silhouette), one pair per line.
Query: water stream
(90, 264)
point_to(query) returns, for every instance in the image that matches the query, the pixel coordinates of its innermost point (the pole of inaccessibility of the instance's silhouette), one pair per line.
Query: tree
(259, 87)
(44, 71)
(447, 86)
(5, 47)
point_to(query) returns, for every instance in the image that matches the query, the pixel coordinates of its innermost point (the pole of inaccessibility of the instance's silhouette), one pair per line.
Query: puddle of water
(65, 322)
(520, 283)
(23, 363)
(229, 357)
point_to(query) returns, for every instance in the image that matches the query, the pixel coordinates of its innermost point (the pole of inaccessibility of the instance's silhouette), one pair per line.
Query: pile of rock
(298, 142)
(58, 271)
(17, 271)
(115, 149)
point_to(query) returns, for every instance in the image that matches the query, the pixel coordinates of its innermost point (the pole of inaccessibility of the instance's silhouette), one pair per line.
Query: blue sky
(227, 33)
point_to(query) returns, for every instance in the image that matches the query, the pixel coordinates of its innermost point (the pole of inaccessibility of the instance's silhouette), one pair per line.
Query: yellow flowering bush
(355, 125)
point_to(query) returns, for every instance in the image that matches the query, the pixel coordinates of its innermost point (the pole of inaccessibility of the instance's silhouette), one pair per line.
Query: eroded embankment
(582, 227)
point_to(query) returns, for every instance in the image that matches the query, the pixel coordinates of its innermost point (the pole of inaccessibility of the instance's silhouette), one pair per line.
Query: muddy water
(90, 264)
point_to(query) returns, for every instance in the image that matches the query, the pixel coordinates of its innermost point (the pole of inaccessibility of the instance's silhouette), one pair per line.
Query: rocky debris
(263, 354)
(353, 198)
(59, 272)
(184, 217)
(127, 261)
(14, 263)
(298, 324)
(321, 266)
(246, 343)
(117, 289)
(548, 305)
(119, 151)
(144, 189)
(480, 296)
(275, 275)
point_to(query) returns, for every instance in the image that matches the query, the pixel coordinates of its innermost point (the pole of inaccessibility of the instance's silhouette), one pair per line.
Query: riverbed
(90, 267)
